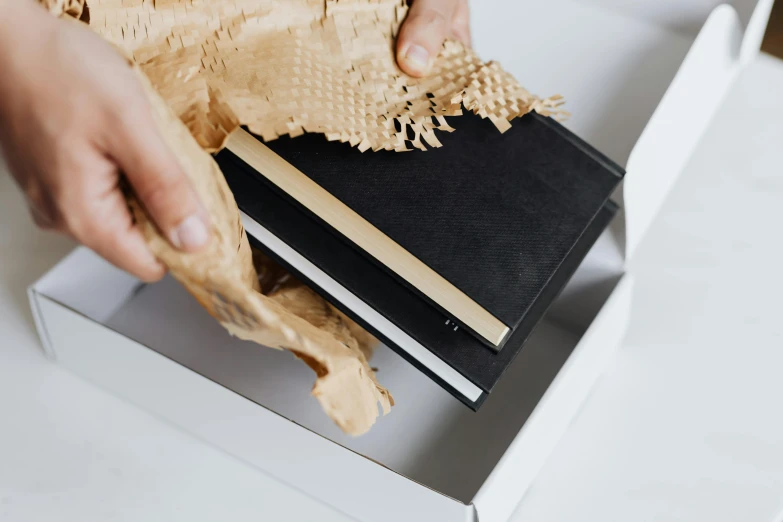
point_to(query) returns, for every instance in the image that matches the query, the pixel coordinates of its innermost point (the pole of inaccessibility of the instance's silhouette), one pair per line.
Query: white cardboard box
(431, 459)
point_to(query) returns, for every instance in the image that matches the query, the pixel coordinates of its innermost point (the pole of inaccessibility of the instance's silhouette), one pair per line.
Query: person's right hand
(428, 24)
(73, 120)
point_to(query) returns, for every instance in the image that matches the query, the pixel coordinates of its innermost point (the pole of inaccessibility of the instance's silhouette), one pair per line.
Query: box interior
(430, 437)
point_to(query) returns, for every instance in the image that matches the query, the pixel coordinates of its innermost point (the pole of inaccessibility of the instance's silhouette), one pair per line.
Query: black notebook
(450, 256)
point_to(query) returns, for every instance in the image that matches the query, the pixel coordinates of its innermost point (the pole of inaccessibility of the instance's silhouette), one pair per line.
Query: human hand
(428, 24)
(74, 120)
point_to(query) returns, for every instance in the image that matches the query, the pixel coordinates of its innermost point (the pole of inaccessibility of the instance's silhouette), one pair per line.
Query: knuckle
(462, 23)
(120, 115)
(83, 225)
(110, 243)
(67, 176)
(430, 16)
(126, 110)
(68, 149)
(61, 196)
(162, 193)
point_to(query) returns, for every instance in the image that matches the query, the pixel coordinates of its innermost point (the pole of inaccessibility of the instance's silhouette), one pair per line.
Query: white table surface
(686, 424)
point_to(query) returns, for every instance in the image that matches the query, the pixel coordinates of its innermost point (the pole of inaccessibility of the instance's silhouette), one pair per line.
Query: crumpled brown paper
(293, 66)
(287, 67)
(287, 315)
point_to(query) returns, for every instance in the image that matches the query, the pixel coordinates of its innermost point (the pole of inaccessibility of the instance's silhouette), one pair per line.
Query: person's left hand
(428, 24)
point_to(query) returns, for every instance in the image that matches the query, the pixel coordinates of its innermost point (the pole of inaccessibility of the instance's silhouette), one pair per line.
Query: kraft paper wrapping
(293, 66)
(285, 67)
(287, 315)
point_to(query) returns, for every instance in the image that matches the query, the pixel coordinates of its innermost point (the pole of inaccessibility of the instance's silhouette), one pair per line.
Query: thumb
(422, 34)
(159, 182)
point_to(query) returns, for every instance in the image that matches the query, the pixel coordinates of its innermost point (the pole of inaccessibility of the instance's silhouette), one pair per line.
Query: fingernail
(191, 234)
(418, 58)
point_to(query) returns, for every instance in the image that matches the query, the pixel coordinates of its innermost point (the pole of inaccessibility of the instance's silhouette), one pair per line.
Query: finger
(159, 182)
(422, 34)
(106, 226)
(460, 25)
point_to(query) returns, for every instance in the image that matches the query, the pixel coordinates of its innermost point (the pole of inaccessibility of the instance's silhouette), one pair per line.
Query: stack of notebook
(451, 256)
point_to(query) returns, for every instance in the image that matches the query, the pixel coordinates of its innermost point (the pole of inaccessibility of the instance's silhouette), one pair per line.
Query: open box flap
(666, 134)
(669, 138)
(500, 494)
(612, 69)
(754, 31)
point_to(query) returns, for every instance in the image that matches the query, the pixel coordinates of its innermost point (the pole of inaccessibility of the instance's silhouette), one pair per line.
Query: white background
(686, 424)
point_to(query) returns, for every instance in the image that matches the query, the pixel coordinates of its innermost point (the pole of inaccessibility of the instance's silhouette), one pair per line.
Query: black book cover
(505, 218)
